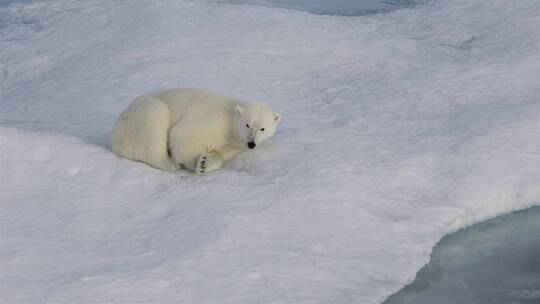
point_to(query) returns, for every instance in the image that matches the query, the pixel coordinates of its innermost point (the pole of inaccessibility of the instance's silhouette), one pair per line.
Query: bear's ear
(239, 110)
(277, 118)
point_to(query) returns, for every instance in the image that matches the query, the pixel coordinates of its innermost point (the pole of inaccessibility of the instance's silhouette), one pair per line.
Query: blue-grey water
(5, 2)
(335, 7)
(493, 262)
(329, 7)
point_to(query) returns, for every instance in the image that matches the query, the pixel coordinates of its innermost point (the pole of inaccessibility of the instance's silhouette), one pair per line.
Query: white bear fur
(189, 128)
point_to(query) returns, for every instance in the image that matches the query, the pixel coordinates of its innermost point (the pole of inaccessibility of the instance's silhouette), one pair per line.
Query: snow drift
(398, 129)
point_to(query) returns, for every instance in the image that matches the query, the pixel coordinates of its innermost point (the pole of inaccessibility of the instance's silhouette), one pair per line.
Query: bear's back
(196, 105)
(204, 114)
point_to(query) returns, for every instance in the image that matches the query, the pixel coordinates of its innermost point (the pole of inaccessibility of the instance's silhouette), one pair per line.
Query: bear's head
(254, 123)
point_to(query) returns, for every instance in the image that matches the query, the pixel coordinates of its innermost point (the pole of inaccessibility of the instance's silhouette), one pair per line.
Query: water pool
(335, 7)
(495, 262)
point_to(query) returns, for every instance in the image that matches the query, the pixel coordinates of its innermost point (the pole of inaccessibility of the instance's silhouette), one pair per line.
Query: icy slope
(397, 129)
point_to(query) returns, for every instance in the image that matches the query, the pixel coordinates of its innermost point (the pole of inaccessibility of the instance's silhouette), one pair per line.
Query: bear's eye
(262, 129)
(247, 126)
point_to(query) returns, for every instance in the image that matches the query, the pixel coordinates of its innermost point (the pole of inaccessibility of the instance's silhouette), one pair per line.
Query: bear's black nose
(251, 145)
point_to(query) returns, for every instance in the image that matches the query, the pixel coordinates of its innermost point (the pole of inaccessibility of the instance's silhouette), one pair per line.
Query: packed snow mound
(397, 129)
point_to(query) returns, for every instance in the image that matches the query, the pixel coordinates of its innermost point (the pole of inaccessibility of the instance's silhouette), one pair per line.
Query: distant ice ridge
(398, 129)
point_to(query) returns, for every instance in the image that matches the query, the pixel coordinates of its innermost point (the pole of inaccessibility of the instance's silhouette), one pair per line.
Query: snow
(397, 129)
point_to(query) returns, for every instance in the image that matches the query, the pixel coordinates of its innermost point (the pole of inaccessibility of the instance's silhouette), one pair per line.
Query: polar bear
(190, 129)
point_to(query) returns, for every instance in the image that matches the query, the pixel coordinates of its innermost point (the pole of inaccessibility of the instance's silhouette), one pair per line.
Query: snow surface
(398, 129)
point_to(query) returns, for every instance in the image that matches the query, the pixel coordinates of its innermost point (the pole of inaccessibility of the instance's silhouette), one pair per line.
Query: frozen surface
(494, 262)
(398, 129)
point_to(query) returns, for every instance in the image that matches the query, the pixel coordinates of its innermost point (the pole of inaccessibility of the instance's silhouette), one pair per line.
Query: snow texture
(397, 129)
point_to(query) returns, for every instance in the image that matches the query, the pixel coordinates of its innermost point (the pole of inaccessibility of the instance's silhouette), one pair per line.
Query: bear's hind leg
(157, 154)
(166, 165)
(141, 133)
